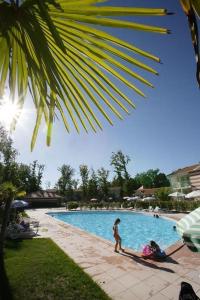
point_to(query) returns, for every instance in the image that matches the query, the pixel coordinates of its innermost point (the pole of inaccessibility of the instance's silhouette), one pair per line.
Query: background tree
(65, 182)
(8, 155)
(29, 177)
(130, 186)
(7, 193)
(152, 179)
(84, 173)
(103, 183)
(162, 193)
(35, 178)
(75, 183)
(93, 189)
(120, 161)
(161, 180)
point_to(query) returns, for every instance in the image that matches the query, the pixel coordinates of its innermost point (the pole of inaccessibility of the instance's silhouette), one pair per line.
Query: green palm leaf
(54, 49)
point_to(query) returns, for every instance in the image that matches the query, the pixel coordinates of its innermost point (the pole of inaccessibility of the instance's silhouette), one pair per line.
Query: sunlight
(9, 111)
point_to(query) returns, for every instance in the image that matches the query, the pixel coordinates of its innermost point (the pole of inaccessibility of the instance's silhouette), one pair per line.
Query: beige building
(195, 178)
(185, 179)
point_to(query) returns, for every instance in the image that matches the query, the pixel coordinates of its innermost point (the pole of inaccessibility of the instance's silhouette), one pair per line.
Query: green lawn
(38, 269)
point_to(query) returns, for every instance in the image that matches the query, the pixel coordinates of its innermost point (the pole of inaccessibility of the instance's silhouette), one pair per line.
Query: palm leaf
(54, 49)
(192, 9)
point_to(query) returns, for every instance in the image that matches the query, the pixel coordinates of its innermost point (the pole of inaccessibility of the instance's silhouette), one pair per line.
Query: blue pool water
(136, 229)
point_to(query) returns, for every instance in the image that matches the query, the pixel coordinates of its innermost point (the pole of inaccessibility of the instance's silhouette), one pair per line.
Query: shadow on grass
(13, 244)
(5, 289)
(144, 262)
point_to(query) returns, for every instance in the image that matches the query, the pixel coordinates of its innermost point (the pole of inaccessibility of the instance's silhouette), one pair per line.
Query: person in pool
(116, 235)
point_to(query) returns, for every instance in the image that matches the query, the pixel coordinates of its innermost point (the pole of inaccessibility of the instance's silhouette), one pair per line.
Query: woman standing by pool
(117, 236)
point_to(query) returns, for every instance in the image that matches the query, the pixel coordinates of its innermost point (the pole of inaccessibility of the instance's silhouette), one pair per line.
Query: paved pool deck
(123, 276)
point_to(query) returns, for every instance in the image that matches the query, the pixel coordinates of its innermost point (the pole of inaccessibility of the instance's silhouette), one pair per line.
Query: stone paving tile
(128, 280)
(158, 297)
(95, 270)
(156, 284)
(194, 276)
(142, 274)
(116, 272)
(168, 276)
(126, 295)
(142, 291)
(114, 287)
(171, 292)
(181, 270)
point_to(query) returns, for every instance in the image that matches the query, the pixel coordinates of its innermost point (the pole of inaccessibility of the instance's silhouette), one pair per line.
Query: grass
(39, 269)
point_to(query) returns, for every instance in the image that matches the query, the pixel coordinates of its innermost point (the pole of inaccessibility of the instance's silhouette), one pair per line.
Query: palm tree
(7, 193)
(54, 49)
(192, 11)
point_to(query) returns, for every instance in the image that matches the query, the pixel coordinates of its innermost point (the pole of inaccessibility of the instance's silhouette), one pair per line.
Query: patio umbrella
(19, 204)
(193, 194)
(149, 198)
(189, 229)
(132, 198)
(177, 195)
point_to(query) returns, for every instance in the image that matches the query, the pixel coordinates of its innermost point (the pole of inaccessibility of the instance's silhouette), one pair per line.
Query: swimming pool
(136, 229)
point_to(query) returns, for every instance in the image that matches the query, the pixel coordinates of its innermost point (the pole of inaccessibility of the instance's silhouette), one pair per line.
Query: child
(147, 252)
(157, 252)
(117, 236)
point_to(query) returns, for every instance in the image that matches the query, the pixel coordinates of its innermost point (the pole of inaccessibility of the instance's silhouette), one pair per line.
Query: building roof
(185, 170)
(43, 195)
(195, 171)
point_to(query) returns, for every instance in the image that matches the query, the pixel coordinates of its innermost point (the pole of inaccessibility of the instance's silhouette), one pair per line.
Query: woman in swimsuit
(117, 236)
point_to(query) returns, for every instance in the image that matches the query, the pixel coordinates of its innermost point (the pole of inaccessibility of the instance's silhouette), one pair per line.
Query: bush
(181, 206)
(72, 205)
(162, 193)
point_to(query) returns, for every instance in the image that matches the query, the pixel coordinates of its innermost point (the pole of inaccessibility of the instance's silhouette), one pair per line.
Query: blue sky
(163, 131)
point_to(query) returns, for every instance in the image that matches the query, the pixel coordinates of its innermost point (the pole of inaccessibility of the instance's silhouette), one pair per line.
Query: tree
(162, 193)
(120, 161)
(161, 180)
(8, 155)
(152, 179)
(65, 182)
(84, 173)
(34, 179)
(130, 186)
(93, 189)
(7, 193)
(103, 183)
(29, 177)
(70, 60)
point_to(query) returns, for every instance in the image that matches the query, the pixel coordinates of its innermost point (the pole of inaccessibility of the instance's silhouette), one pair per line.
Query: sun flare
(9, 111)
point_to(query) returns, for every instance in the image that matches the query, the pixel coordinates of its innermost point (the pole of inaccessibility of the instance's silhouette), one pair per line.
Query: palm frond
(55, 49)
(192, 11)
